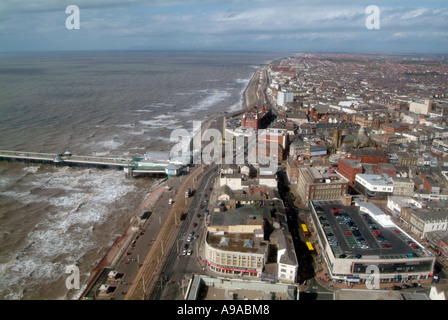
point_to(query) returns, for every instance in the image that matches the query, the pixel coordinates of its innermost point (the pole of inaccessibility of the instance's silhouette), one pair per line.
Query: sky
(249, 25)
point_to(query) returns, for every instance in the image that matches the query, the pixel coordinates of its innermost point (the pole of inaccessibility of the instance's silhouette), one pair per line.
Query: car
(358, 256)
(329, 234)
(347, 233)
(184, 252)
(195, 225)
(386, 245)
(405, 286)
(191, 233)
(195, 236)
(198, 215)
(396, 288)
(189, 238)
(189, 252)
(342, 256)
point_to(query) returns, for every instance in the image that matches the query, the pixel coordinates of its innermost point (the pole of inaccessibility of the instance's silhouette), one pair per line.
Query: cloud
(258, 24)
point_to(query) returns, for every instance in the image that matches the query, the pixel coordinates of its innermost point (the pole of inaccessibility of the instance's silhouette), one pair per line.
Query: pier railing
(130, 165)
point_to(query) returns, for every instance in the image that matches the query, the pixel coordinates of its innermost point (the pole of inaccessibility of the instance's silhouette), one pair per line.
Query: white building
(421, 107)
(424, 221)
(284, 96)
(232, 180)
(375, 183)
(395, 204)
(286, 256)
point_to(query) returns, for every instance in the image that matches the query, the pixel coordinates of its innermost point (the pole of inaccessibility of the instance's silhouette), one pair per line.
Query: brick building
(256, 117)
(349, 168)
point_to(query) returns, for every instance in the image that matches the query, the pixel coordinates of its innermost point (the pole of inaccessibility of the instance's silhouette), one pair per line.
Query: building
(233, 180)
(205, 288)
(235, 243)
(438, 241)
(256, 117)
(397, 204)
(395, 127)
(356, 239)
(422, 221)
(374, 186)
(405, 159)
(421, 107)
(286, 256)
(403, 187)
(369, 155)
(318, 184)
(284, 96)
(349, 169)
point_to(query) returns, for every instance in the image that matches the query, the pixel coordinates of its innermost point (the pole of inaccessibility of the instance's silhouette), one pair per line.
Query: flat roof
(238, 242)
(376, 179)
(210, 288)
(365, 223)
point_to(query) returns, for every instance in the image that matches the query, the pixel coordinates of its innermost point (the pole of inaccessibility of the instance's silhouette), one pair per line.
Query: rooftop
(207, 288)
(238, 242)
(367, 232)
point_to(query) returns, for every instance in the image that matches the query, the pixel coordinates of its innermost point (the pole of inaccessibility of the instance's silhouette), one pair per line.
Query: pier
(130, 166)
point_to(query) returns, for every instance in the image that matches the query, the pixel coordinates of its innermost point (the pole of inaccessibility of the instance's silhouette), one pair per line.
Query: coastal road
(154, 260)
(178, 266)
(143, 239)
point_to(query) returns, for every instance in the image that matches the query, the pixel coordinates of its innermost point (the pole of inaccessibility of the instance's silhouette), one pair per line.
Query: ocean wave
(66, 234)
(111, 144)
(161, 105)
(31, 169)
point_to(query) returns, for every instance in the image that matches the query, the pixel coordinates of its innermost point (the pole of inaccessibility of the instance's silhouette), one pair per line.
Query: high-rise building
(421, 107)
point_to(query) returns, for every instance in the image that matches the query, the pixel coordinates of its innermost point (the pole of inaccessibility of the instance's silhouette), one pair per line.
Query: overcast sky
(268, 25)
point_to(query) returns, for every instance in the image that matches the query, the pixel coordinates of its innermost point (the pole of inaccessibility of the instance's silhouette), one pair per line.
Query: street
(179, 266)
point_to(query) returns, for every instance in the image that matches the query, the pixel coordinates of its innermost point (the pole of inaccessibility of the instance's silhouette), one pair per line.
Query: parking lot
(352, 233)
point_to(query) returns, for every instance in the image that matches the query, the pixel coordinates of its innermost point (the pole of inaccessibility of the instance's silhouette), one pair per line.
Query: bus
(306, 233)
(310, 246)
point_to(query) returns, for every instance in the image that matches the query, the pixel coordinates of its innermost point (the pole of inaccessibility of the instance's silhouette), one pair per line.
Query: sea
(111, 104)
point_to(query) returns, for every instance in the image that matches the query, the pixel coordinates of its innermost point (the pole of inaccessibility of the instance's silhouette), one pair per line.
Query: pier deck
(130, 165)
